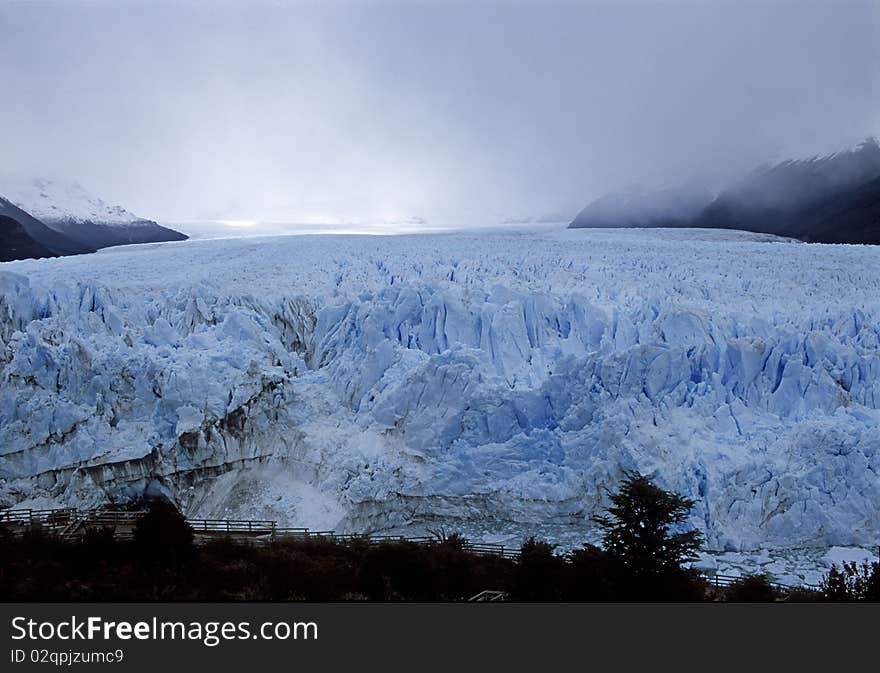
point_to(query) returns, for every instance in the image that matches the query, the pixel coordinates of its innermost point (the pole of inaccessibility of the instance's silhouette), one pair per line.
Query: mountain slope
(100, 235)
(71, 210)
(15, 243)
(851, 217)
(667, 207)
(55, 242)
(830, 199)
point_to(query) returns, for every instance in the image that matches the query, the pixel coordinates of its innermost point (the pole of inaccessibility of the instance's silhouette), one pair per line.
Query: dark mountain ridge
(64, 219)
(53, 241)
(829, 199)
(15, 243)
(101, 235)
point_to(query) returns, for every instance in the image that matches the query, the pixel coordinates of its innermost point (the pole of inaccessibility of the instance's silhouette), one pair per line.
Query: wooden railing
(108, 518)
(482, 548)
(35, 516)
(73, 522)
(730, 580)
(489, 596)
(254, 527)
(123, 521)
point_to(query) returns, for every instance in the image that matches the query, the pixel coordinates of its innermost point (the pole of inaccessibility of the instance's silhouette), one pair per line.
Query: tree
(834, 585)
(853, 582)
(638, 529)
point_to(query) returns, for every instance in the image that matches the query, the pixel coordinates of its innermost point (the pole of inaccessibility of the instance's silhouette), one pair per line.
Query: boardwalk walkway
(72, 523)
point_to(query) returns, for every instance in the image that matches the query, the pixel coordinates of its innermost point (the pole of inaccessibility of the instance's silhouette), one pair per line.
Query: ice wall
(505, 379)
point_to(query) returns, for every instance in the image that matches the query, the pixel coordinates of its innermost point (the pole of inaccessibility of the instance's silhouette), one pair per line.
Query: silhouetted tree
(638, 530)
(639, 534)
(834, 585)
(852, 582)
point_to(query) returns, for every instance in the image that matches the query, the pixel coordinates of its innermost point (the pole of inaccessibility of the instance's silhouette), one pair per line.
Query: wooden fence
(730, 580)
(72, 523)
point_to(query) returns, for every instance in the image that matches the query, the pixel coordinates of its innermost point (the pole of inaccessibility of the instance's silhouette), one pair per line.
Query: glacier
(496, 383)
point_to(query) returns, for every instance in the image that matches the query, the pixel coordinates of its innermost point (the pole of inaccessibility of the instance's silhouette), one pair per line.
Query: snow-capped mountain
(52, 201)
(71, 210)
(493, 383)
(28, 237)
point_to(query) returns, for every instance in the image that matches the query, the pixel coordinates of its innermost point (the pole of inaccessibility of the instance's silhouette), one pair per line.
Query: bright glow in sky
(238, 223)
(455, 112)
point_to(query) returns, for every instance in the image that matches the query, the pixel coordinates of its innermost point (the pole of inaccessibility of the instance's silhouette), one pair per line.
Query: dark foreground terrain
(100, 568)
(164, 561)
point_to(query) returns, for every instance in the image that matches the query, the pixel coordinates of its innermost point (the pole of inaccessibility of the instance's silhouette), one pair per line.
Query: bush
(593, 574)
(163, 535)
(163, 563)
(538, 573)
(751, 589)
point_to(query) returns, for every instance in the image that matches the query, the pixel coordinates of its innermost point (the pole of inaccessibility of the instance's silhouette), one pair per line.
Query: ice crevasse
(489, 380)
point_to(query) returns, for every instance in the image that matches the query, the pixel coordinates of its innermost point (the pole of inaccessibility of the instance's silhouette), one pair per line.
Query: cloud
(456, 112)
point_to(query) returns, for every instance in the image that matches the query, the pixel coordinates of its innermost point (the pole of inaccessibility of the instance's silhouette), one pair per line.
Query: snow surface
(492, 383)
(52, 201)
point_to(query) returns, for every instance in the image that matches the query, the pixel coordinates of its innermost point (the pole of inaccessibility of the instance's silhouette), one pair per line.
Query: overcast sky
(458, 112)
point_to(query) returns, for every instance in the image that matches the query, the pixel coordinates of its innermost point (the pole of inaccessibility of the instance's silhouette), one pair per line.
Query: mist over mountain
(827, 199)
(644, 208)
(831, 199)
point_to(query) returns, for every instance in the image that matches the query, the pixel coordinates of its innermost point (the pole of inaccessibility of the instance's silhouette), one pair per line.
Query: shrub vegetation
(644, 557)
